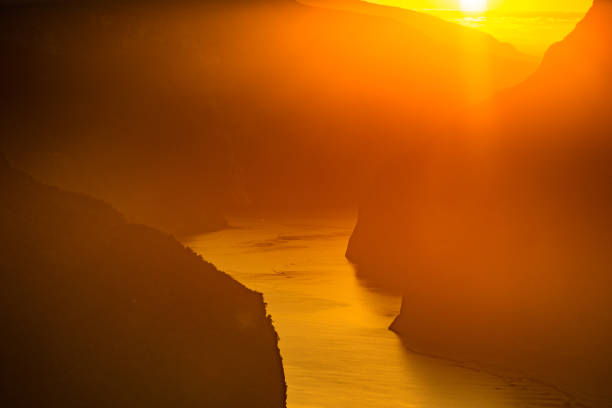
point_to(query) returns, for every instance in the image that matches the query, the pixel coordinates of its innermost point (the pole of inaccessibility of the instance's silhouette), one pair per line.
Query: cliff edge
(497, 230)
(98, 312)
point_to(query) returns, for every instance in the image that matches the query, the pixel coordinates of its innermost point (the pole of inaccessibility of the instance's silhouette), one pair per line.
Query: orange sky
(532, 26)
(506, 5)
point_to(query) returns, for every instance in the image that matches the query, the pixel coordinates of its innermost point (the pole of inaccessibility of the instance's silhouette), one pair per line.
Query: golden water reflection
(337, 351)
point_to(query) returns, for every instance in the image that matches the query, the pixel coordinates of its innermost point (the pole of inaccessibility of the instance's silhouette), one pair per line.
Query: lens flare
(473, 5)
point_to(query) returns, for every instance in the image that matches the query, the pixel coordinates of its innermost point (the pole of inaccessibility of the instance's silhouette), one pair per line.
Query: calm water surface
(337, 351)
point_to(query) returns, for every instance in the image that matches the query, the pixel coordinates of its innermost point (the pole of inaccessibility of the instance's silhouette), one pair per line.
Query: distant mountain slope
(497, 230)
(568, 94)
(173, 110)
(97, 312)
(429, 26)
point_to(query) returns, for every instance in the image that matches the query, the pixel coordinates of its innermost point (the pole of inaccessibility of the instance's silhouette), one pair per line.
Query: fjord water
(334, 338)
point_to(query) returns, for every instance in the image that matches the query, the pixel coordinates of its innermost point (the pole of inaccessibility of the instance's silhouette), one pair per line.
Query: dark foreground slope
(498, 231)
(174, 110)
(97, 312)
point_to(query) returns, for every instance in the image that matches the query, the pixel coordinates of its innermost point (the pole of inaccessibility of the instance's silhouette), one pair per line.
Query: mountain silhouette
(98, 312)
(496, 228)
(177, 112)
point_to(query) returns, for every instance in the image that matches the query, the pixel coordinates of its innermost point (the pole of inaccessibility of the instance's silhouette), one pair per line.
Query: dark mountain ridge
(176, 110)
(97, 312)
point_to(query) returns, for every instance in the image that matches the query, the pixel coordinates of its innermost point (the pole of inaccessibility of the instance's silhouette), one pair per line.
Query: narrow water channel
(336, 348)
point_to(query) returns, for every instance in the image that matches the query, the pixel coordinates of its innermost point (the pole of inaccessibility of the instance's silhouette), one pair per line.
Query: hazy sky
(509, 5)
(532, 33)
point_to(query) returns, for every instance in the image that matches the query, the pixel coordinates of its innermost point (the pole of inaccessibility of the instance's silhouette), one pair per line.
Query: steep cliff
(497, 229)
(97, 312)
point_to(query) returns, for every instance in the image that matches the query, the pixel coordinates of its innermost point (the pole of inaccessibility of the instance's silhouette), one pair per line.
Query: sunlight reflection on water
(337, 351)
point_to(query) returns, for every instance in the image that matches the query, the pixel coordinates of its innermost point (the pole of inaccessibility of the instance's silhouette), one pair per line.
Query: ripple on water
(334, 338)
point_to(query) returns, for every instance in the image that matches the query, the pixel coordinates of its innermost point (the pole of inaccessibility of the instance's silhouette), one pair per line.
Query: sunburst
(473, 5)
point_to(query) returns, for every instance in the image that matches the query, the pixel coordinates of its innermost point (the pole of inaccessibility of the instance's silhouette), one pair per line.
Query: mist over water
(334, 338)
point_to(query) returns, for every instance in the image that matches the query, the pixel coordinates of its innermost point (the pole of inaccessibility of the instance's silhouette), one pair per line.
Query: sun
(473, 5)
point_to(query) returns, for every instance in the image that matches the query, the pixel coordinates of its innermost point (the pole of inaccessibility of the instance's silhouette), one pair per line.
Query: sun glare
(473, 5)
